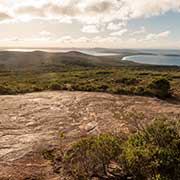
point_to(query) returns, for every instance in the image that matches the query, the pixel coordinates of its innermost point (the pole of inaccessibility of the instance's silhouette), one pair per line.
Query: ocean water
(170, 59)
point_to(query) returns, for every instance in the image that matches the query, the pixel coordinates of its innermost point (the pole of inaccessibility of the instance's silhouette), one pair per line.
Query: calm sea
(160, 57)
(170, 60)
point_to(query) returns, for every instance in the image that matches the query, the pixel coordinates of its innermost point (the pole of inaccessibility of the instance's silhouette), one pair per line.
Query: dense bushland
(152, 153)
(123, 80)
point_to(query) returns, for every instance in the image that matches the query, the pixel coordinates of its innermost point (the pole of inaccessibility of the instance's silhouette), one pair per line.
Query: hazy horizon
(51, 47)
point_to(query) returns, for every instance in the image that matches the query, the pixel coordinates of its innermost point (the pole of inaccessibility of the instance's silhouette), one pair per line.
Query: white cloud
(45, 33)
(97, 41)
(153, 36)
(147, 8)
(64, 39)
(90, 11)
(94, 41)
(116, 26)
(90, 29)
(26, 39)
(141, 31)
(94, 16)
(119, 33)
(164, 34)
(83, 40)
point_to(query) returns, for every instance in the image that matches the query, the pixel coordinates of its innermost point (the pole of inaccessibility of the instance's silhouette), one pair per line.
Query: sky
(90, 23)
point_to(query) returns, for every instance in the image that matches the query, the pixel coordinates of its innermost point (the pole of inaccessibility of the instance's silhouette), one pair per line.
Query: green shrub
(91, 156)
(154, 153)
(102, 87)
(55, 86)
(160, 88)
(7, 90)
(48, 154)
(140, 91)
(128, 81)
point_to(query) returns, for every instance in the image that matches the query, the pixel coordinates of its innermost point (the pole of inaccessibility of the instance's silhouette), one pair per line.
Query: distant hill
(41, 60)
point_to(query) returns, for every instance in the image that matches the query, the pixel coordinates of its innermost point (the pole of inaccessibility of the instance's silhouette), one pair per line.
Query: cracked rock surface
(31, 122)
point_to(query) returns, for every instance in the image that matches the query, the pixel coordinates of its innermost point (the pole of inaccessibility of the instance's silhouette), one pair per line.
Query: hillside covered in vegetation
(24, 72)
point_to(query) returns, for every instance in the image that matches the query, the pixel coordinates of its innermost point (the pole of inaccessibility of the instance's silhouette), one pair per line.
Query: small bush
(55, 86)
(160, 88)
(153, 153)
(48, 154)
(90, 157)
(7, 90)
(128, 81)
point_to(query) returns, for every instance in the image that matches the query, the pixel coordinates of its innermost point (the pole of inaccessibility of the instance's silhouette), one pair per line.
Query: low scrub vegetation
(152, 153)
(91, 156)
(160, 88)
(144, 81)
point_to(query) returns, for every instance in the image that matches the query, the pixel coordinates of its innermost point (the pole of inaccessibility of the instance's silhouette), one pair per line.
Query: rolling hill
(42, 60)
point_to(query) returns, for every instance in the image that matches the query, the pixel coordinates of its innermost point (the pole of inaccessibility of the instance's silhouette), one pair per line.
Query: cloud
(13, 39)
(90, 29)
(44, 36)
(69, 39)
(141, 31)
(141, 8)
(112, 14)
(119, 33)
(48, 9)
(116, 26)
(4, 16)
(30, 10)
(152, 36)
(104, 10)
(45, 33)
(164, 34)
(63, 10)
(99, 7)
(110, 17)
(94, 41)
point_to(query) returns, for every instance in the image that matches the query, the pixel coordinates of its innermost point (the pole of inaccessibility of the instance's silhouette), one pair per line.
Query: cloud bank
(91, 17)
(87, 11)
